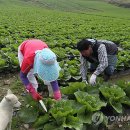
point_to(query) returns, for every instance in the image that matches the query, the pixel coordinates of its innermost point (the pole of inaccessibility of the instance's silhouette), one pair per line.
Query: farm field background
(61, 24)
(22, 20)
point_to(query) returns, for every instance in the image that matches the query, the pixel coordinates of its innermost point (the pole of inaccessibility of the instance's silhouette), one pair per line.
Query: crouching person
(102, 56)
(36, 59)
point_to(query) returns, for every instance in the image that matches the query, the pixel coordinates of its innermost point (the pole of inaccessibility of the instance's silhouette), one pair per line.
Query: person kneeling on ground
(101, 54)
(36, 59)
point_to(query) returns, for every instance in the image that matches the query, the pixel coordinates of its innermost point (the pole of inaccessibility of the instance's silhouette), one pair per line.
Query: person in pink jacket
(36, 59)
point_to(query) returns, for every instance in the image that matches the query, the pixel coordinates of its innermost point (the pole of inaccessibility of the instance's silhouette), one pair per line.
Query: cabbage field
(61, 24)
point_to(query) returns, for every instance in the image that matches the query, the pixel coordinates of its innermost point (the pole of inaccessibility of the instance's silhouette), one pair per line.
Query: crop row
(61, 31)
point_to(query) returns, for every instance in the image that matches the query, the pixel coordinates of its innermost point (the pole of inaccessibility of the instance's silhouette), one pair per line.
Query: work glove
(85, 81)
(33, 92)
(92, 80)
(57, 95)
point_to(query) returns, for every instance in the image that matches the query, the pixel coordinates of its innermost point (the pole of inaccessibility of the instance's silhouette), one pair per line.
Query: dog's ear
(7, 98)
(9, 92)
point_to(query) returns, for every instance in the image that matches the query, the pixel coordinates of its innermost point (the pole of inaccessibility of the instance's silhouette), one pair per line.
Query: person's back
(29, 47)
(111, 47)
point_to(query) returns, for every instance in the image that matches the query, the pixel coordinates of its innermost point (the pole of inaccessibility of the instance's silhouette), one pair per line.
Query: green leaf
(84, 115)
(2, 63)
(122, 84)
(73, 87)
(125, 100)
(73, 122)
(114, 92)
(74, 71)
(127, 90)
(116, 105)
(28, 115)
(92, 102)
(41, 121)
(62, 109)
(53, 126)
(29, 101)
(92, 90)
(64, 74)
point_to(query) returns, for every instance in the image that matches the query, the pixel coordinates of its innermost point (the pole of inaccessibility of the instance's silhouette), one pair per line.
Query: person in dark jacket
(102, 56)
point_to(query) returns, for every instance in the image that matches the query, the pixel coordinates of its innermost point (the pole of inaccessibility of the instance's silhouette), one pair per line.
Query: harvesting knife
(43, 105)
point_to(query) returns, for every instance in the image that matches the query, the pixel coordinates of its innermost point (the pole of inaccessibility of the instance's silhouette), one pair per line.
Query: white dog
(7, 104)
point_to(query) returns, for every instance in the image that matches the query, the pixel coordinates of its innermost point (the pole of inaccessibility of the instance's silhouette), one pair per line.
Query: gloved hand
(33, 92)
(92, 80)
(57, 95)
(85, 81)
